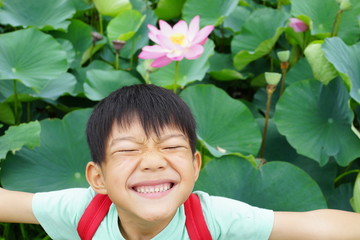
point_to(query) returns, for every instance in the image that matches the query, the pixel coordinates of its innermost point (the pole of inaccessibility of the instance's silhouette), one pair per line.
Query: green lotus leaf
(124, 25)
(16, 137)
(225, 125)
(210, 12)
(258, 36)
(322, 20)
(355, 201)
(237, 18)
(81, 5)
(279, 186)
(316, 121)
(22, 57)
(100, 83)
(300, 71)
(277, 148)
(112, 7)
(42, 14)
(346, 60)
(189, 70)
(6, 114)
(221, 68)
(79, 34)
(58, 163)
(323, 70)
(140, 39)
(80, 73)
(168, 9)
(55, 88)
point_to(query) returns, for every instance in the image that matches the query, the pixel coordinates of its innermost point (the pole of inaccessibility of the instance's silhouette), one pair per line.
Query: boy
(142, 140)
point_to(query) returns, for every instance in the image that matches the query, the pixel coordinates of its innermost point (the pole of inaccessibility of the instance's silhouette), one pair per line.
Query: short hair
(155, 108)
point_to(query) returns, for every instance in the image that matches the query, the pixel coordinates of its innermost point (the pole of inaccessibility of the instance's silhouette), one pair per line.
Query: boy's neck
(141, 231)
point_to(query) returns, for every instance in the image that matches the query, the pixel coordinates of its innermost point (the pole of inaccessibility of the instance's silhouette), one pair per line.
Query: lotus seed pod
(118, 45)
(272, 78)
(345, 4)
(284, 55)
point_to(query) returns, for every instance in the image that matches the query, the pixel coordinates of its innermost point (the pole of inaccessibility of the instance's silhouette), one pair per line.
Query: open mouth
(158, 188)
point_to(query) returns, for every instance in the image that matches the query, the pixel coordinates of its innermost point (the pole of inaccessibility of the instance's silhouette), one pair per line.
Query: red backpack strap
(195, 221)
(93, 215)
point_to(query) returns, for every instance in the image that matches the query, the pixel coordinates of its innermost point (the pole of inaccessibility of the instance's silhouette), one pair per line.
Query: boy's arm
(319, 224)
(16, 207)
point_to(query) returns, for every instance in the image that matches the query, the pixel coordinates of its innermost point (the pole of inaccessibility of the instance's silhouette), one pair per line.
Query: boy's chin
(158, 215)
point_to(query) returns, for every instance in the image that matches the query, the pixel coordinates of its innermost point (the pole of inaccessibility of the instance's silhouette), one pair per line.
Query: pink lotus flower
(298, 25)
(175, 43)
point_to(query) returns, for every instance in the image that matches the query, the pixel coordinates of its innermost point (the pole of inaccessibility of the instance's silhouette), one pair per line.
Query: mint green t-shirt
(59, 212)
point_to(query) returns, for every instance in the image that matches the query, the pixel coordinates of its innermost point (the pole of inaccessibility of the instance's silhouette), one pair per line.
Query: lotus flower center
(178, 38)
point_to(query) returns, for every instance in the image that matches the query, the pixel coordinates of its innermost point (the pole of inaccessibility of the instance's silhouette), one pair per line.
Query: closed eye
(127, 150)
(173, 147)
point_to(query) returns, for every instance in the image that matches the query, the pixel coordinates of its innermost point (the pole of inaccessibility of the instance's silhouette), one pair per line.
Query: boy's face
(148, 178)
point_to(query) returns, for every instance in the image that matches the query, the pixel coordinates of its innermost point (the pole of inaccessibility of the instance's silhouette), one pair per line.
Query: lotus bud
(298, 25)
(118, 45)
(284, 55)
(272, 78)
(345, 4)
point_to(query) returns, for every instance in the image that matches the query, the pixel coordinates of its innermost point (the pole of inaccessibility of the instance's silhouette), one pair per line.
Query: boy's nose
(152, 161)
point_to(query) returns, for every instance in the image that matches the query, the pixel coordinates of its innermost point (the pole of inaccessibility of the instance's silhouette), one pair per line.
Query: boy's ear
(197, 164)
(95, 178)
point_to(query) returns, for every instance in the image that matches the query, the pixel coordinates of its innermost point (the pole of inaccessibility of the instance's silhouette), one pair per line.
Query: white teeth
(151, 189)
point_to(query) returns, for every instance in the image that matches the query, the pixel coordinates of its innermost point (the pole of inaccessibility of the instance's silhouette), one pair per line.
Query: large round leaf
(323, 70)
(346, 60)
(55, 88)
(225, 125)
(58, 163)
(211, 12)
(316, 121)
(43, 14)
(140, 39)
(100, 83)
(124, 25)
(189, 70)
(112, 7)
(26, 134)
(322, 19)
(222, 68)
(278, 186)
(168, 9)
(79, 34)
(258, 35)
(32, 57)
(237, 18)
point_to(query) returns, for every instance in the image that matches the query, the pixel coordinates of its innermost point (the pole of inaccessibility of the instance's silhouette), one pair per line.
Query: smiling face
(147, 177)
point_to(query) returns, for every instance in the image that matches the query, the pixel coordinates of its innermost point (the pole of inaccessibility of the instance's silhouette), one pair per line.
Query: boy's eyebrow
(133, 139)
(168, 136)
(119, 139)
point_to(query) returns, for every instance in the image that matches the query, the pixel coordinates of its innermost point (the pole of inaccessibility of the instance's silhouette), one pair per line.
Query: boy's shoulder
(237, 218)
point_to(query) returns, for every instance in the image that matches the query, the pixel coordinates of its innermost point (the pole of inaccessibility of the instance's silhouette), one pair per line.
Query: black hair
(155, 108)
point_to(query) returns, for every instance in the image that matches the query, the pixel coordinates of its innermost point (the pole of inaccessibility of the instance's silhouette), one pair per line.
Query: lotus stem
(338, 178)
(132, 55)
(117, 61)
(28, 111)
(270, 89)
(284, 67)
(336, 24)
(16, 103)
(101, 28)
(176, 76)
(147, 77)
